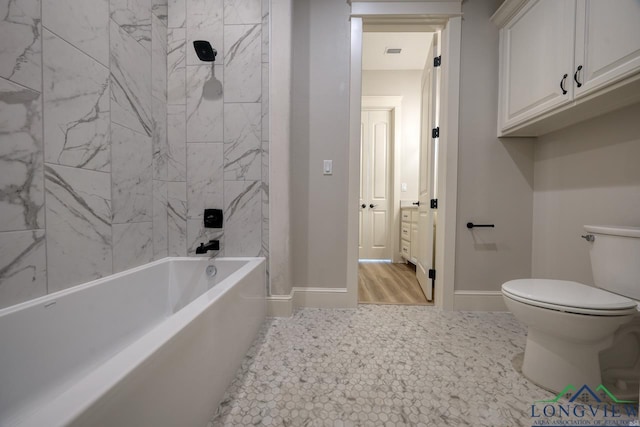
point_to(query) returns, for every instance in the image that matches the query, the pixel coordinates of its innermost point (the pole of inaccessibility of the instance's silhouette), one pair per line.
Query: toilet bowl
(569, 324)
(578, 332)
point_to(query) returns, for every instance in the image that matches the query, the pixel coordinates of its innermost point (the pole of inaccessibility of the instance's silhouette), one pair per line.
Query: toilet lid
(567, 294)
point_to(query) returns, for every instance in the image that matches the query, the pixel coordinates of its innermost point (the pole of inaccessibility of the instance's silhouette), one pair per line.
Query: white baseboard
(280, 306)
(321, 298)
(478, 301)
(285, 305)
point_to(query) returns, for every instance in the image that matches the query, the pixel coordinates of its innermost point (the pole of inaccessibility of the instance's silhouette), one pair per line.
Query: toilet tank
(615, 259)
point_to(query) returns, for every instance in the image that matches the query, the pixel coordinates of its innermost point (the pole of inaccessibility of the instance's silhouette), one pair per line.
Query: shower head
(205, 51)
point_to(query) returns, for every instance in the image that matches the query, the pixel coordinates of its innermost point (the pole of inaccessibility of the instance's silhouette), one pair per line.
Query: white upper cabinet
(537, 47)
(607, 43)
(564, 61)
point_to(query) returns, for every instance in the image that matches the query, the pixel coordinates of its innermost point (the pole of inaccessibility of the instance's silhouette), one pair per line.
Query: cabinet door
(536, 54)
(607, 43)
(414, 243)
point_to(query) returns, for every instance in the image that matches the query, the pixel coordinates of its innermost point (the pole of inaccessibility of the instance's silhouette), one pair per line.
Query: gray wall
(319, 131)
(585, 174)
(495, 176)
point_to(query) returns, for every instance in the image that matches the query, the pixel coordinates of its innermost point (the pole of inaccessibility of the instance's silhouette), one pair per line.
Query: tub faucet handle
(589, 237)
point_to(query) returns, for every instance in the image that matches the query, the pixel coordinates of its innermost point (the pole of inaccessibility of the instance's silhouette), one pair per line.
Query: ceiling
(413, 56)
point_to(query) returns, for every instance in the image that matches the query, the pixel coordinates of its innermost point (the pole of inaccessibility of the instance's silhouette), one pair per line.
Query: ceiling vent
(392, 50)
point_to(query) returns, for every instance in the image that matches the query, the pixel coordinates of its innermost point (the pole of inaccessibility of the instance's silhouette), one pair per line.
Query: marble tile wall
(217, 125)
(84, 159)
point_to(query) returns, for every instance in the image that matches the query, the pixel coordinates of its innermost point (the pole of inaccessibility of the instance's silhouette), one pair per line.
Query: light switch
(403, 186)
(328, 167)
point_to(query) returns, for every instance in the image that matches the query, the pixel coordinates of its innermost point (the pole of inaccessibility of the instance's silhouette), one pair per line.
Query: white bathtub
(156, 345)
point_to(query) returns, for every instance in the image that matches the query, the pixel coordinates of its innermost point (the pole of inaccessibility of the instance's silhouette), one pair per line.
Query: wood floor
(389, 283)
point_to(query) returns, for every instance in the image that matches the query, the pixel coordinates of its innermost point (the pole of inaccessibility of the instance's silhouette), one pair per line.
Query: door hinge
(435, 132)
(437, 61)
(434, 204)
(432, 274)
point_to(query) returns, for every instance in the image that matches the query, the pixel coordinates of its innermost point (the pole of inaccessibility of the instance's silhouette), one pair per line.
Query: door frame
(393, 104)
(438, 14)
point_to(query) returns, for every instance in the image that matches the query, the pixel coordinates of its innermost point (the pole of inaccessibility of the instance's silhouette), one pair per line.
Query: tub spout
(213, 245)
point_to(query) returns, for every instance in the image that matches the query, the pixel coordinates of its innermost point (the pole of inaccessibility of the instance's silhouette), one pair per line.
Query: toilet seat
(571, 297)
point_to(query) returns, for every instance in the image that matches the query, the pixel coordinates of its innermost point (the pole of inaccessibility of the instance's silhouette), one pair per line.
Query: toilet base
(554, 364)
(563, 348)
(620, 364)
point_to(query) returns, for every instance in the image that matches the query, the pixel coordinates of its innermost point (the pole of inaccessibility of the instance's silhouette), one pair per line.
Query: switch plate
(327, 168)
(403, 186)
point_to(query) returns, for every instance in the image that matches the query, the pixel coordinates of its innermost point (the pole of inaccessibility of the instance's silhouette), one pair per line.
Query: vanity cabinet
(409, 234)
(564, 61)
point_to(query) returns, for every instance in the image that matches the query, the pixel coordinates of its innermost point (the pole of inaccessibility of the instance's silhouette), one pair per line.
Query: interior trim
(478, 301)
(301, 297)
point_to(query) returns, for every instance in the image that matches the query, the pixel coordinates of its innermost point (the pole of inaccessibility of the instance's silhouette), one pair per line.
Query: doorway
(409, 16)
(393, 70)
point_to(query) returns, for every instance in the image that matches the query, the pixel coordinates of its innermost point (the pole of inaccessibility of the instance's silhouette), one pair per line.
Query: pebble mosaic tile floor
(383, 366)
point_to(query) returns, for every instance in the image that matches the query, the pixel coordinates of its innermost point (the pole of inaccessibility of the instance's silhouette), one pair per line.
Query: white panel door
(375, 175)
(537, 60)
(607, 43)
(427, 174)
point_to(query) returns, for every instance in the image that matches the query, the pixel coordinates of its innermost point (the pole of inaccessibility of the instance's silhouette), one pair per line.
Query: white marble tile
(23, 266)
(132, 245)
(160, 9)
(160, 220)
(177, 220)
(242, 63)
(20, 43)
(265, 101)
(78, 215)
(177, 13)
(158, 59)
(131, 176)
(177, 143)
(264, 249)
(159, 140)
(204, 178)
(196, 234)
(134, 17)
(384, 366)
(204, 22)
(76, 99)
(243, 218)
(84, 24)
(266, 25)
(242, 145)
(242, 11)
(204, 103)
(176, 66)
(21, 176)
(130, 82)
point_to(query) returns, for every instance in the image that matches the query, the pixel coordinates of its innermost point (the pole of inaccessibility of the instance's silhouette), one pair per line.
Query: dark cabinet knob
(372, 206)
(416, 203)
(363, 206)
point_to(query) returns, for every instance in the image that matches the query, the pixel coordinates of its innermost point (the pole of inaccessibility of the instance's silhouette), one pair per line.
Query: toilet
(579, 334)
